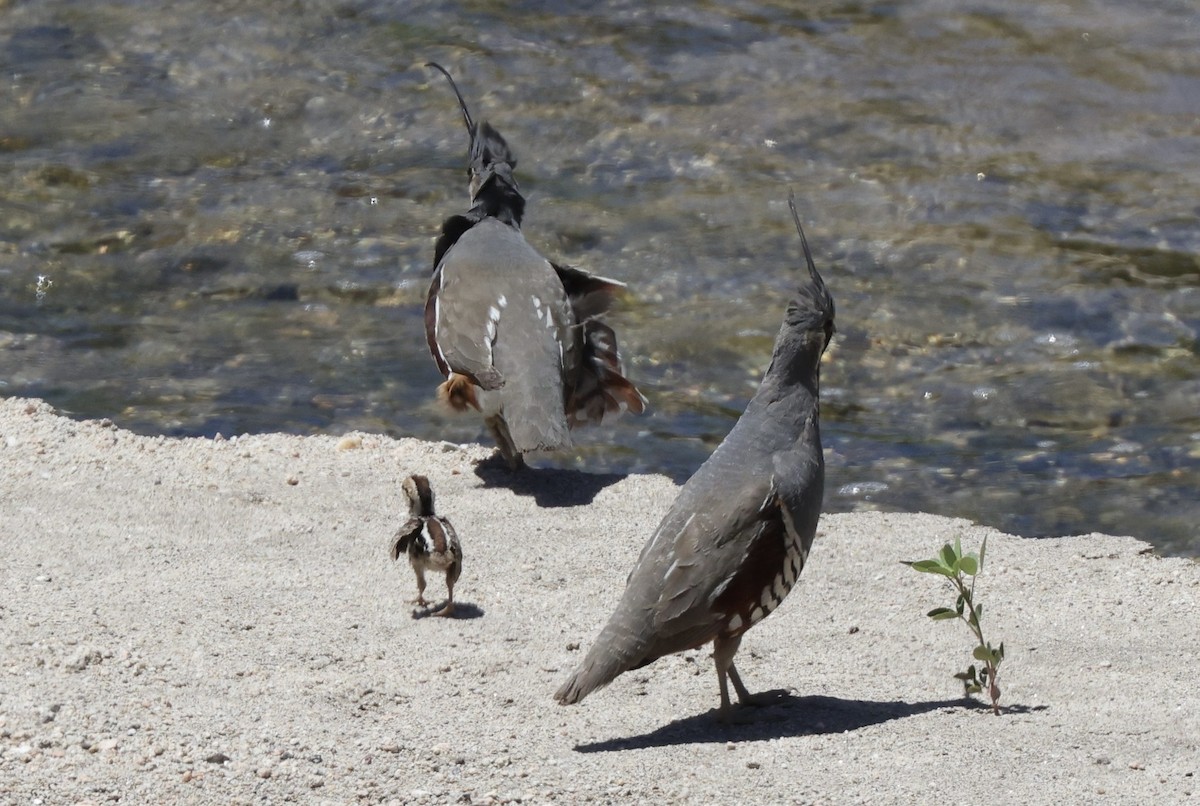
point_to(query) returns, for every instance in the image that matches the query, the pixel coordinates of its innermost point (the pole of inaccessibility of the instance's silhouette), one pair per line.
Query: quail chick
(737, 536)
(429, 541)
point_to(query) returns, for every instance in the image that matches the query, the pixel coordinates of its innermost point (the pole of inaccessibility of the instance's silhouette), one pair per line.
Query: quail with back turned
(517, 337)
(429, 541)
(737, 536)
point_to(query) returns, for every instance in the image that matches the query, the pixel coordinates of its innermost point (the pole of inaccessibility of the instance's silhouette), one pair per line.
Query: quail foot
(737, 536)
(429, 541)
(518, 338)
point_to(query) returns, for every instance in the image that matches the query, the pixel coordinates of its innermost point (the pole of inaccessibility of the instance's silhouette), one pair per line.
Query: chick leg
(420, 587)
(448, 610)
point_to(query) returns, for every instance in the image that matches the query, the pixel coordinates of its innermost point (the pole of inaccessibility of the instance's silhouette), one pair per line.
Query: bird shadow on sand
(784, 715)
(462, 611)
(550, 487)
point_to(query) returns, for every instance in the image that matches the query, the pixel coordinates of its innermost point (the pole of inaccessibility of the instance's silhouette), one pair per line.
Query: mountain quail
(429, 541)
(517, 337)
(737, 536)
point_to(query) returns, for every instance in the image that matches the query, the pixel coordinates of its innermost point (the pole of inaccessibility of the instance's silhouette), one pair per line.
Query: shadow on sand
(462, 610)
(549, 487)
(785, 715)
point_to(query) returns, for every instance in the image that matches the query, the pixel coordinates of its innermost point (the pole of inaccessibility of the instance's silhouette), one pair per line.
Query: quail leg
(420, 600)
(723, 651)
(448, 610)
(744, 696)
(724, 648)
(504, 442)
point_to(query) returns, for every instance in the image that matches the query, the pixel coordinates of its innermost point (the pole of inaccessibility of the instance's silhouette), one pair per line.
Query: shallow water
(219, 217)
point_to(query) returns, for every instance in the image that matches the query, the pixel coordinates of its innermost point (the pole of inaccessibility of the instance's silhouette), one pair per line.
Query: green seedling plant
(957, 567)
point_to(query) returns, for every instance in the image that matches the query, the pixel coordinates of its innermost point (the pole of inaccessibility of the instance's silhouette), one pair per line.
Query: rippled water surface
(219, 217)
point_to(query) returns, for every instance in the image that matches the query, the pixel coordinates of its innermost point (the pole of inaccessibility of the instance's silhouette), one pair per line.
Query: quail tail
(616, 651)
(600, 387)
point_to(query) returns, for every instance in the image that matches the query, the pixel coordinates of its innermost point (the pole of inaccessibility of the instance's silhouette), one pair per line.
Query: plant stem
(968, 596)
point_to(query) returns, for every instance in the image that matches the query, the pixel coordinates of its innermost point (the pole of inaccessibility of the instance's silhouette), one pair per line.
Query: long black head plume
(813, 307)
(461, 103)
(494, 190)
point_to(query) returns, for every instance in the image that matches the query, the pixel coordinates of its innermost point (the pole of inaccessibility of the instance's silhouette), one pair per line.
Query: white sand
(197, 621)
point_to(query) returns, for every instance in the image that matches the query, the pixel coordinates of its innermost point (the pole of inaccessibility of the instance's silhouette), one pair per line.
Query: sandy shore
(199, 621)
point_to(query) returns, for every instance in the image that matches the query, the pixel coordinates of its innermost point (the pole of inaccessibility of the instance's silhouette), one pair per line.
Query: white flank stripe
(779, 589)
(437, 319)
(789, 570)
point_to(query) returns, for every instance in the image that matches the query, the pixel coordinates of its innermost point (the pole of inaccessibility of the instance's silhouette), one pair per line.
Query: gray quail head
(738, 534)
(429, 541)
(518, 338)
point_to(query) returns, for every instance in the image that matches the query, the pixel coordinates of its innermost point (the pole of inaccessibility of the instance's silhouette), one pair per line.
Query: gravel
(218, 621)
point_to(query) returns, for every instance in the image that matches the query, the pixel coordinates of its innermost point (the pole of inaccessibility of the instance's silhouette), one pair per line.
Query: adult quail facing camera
(517, 337)
(429, 541)
(736, 538)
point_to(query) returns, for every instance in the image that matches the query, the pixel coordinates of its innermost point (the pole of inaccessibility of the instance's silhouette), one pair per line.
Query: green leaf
(958, 606)
(974, 689)
(969, 565)
(958, 545)
(931, 567)
(949, 558)
(982, 549)
(941, 613)
(973, 619)
(982, 653)
(1001, 655)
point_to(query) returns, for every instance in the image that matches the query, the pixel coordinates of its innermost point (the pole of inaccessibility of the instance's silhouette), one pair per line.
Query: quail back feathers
(517, 337)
